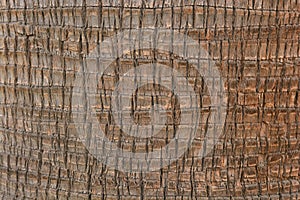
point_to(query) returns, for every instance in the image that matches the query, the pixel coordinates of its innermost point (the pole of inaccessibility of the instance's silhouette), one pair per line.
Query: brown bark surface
(255, 45)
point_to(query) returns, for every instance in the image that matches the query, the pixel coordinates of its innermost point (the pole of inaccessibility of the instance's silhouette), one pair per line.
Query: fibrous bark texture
(255, 46)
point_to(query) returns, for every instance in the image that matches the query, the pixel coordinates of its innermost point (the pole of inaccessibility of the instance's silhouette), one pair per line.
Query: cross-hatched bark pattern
(255, 45)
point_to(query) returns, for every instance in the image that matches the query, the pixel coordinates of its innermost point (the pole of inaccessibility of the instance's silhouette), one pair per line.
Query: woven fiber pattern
(255, 46)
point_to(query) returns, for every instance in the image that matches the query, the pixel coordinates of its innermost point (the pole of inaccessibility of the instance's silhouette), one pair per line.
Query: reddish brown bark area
(255, 45)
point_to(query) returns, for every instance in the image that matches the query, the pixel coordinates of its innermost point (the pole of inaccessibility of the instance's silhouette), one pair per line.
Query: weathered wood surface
(255, 45)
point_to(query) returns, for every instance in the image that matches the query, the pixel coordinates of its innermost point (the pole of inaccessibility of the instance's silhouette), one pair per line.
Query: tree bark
(255, 47)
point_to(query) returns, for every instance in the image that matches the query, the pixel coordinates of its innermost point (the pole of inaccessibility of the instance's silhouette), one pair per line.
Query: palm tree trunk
(45, 44)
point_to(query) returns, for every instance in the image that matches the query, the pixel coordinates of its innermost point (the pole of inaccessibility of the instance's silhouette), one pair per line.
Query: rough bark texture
(255, 45)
